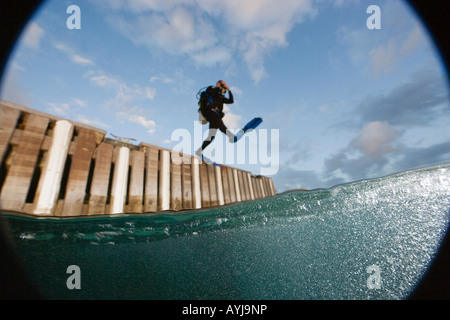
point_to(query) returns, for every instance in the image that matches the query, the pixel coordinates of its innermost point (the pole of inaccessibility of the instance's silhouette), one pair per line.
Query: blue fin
(252, 124)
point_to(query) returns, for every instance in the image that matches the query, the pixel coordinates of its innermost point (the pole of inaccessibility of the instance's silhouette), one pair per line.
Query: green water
(297, 245)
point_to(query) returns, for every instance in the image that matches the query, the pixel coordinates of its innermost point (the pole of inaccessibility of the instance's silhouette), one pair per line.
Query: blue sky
(348, 102)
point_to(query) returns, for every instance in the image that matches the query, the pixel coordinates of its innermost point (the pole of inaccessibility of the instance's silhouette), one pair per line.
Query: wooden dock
(50, 166)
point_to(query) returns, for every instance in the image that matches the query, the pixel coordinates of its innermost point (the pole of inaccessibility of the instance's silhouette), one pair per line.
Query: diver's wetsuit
(214, 112)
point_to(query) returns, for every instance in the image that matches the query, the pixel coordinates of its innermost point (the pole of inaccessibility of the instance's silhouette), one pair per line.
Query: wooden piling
(164, 181)
(136, 183)
(187, 185)
(17, 182)
(151, 179)
(8, 122)
(79, 173)
(196, 188)
(176, 195)
(100, 179)
(120, 178)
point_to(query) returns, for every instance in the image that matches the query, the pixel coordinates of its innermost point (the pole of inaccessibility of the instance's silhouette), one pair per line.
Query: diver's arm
(230, 98)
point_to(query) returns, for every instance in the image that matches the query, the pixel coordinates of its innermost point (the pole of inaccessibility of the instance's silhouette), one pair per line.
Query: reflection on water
(323, 244)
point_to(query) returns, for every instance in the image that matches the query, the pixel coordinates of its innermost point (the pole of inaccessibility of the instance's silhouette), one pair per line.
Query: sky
(340, 101)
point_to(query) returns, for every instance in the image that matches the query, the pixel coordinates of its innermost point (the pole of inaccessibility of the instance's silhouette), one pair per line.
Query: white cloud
(163, 78)
(211, 32)
(142, 121)
(368, 154)
(231, 120)
(137, 6)
(375, 139)
(385, 57)
(236, 91)
(340, 3)
(103, 80)
(149, 92)
(73, 55)
(415, 39)
(146, 123)
(260, 25)
(32, 35)
(383, 50)
(91, 122)
(61, 109)
(175, 31)
(420, 100)
(81, 60)
(258, 44)
(125, 98)
(65, 109)
(179, 82)
(252, 15)
(79, 102)
(125, 93)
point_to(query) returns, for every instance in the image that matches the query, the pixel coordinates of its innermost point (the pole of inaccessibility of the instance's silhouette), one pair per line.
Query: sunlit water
(297, 245)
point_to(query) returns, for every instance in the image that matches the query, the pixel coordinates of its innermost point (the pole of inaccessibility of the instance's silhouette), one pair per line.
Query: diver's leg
(227, 132)
(207, 142)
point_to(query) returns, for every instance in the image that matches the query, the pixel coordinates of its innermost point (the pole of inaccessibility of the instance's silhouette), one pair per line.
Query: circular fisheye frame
(320, 169)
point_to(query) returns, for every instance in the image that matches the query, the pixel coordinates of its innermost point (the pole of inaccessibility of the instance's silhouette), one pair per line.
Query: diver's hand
(224, 85)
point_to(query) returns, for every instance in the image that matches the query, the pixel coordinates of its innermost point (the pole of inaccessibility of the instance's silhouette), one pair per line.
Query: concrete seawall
(50, 166)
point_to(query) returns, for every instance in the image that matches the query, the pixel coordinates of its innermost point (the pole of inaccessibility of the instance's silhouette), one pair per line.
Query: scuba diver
(211, 107)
